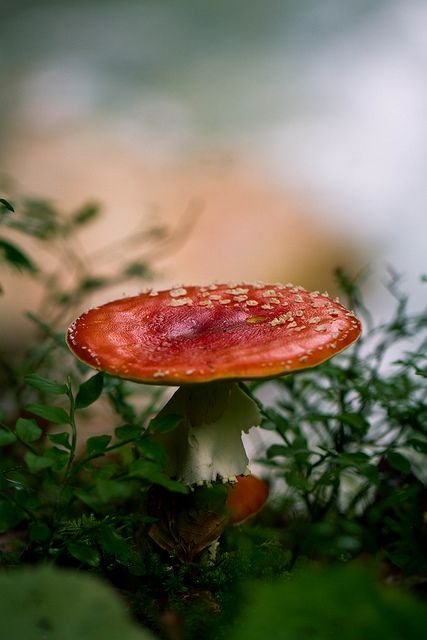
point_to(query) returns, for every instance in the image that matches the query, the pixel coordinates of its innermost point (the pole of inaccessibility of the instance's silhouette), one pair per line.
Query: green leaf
(418, 445)
(137, 270)
(39, 531)
(59, 457)
(10, 516)
(165, 423)
(273, 421)
(41, 220)
(85, 214)
(151, 472)
(398, 462)
(15, 257)
(114, 544)
(109, 489)
(268, 425)
(153, 450)
(91, 283)
(371, 472)
(62, 439)
(354, 420)
(96, 445)
(4, 204)
(88, 497)
(84, 553)
(90, 391)
(27, 430)
(127, 432)
(356, 459)
(6, 437)
(45, 385)
(36, 463)
(51, 414)
(297, 480)
(278, 450)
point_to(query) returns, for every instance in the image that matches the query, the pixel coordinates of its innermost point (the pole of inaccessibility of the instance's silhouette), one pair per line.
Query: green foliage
(57, 232)
(90, 391)
(27, 430)
(352, 443)
(152, 472)
(6, 437)
(323, 603)
(50, 603)
(97, 445)
(51, 414)
(5, 206)
(348, 458)
(45, 385)
(16, 258)
(164, 424)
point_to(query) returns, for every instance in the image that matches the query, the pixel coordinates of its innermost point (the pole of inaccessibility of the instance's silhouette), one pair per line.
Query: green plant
(352, 445)
(348, 458)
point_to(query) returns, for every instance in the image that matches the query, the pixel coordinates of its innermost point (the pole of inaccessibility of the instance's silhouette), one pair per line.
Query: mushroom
(205, 340)
(246, 498)
(187, 524)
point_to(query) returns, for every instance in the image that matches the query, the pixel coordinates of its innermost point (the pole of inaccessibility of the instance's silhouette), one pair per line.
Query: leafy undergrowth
(348, 462)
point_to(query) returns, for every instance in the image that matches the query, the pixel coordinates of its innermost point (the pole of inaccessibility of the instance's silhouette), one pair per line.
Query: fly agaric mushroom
(246, 498)
(204, 340)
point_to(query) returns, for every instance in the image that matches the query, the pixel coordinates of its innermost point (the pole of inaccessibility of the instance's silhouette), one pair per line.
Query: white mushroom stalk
(207, 446)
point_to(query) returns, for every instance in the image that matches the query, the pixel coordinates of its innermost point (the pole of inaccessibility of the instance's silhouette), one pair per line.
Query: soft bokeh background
(297, 130)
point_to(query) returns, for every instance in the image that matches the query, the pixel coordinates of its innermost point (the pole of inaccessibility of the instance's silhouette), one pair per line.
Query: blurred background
(285, 138)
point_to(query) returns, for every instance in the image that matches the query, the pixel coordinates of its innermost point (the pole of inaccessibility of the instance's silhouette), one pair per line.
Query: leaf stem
(73, 443)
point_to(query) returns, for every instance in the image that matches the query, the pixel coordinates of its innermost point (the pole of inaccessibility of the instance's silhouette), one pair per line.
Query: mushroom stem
(207, 445)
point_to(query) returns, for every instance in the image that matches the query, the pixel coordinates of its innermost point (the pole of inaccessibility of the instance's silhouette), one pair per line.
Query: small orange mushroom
(246, 498)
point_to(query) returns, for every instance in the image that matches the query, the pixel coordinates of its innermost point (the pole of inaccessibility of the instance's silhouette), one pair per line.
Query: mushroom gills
(207, 445)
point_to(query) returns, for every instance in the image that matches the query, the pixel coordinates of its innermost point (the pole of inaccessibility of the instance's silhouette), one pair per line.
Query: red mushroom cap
(246, 498)
(201, 334)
